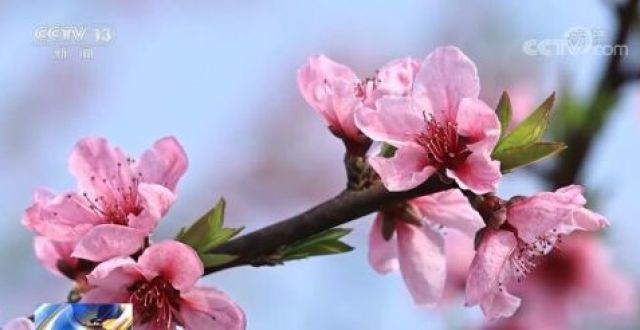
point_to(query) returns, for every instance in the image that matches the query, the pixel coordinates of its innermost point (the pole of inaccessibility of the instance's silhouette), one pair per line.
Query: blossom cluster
(99, 236)
(430, 113)
(414, 122)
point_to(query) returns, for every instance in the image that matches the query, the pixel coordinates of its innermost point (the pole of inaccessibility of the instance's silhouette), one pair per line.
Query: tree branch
(256, 247)
(349, 205)
(571, 161)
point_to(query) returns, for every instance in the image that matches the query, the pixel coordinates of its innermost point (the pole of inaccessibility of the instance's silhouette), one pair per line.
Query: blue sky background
(221, 77)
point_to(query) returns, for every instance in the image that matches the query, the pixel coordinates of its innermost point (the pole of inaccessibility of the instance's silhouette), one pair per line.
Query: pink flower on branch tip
(508, 252)
(118, 201)
(441, 126)
(160, 285)
(417, 248)
(333, 90)
(574, 281)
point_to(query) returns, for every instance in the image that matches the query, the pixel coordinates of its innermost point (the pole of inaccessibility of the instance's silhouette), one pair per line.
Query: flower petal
(500, 304)
(155, 201)
(109, 240)
(163, 164)
(174, 261)
(395, 78)
(99, 168)
(572, 194)
(50, 253)
(115, 275)
(396, 120)
(562, 210)
(450, 208)
(207, 308)
(479, 124)
(488, 264)
(383, 256)
(61, 218)
(407, 169)
(104, 296)
(344, 105)
(581, 217)
(422, 262)
(533, 217)
(584, 219)
(478, 173)
(446, 77)
(326, 84)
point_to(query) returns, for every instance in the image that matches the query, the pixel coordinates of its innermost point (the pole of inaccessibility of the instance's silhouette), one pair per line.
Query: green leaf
(530, 130)
(181, 233)
(504, 113)
(215, 217)
(216, 259)
(324, 243)
(319, 249)
(523, 155)
(208, 231)
(387, 150)
(199, 233)
(221, 236)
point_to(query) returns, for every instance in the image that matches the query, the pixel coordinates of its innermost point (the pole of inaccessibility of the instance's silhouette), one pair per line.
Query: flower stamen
(444, 147)
(155, 301)
(364, 88)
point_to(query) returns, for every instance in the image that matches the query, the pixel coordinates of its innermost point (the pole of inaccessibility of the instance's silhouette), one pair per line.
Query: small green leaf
(387, 150)
(216, 259)
(201, 231)
(319, 249)
(208, 231)
(327, 235)
(523, 155)
(530, 130)
(504, 113)
(324, 243)
(221, 236)
(181, 233)
(216, 216)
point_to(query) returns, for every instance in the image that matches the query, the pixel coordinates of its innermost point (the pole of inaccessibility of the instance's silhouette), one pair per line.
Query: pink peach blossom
(20, 323)
(118, 201)
(334, 91)
(160, 285)
(442, 125)
(571, 283)
(533, 228)
(417, 248)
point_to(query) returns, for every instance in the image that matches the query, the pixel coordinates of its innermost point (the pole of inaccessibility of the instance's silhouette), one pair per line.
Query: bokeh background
(221, 76)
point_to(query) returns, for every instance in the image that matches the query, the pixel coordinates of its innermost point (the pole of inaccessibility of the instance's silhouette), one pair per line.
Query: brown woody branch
(256, 247)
